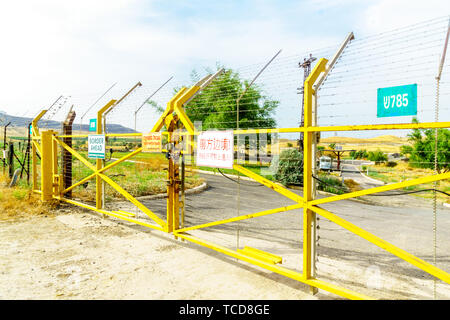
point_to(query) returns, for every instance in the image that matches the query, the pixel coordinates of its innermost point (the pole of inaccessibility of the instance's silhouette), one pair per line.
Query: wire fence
(358, 159)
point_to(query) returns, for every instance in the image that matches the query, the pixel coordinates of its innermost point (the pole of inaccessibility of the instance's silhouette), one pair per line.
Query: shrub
(377, 156)
(391, 164)
(290, 167)
(331, 184)
(360, 154)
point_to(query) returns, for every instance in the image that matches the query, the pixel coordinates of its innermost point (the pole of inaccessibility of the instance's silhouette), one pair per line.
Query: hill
(19, 125)
(386, 143)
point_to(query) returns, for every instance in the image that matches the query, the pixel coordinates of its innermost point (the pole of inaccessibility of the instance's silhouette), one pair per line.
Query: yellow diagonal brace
(388, 187)
(402, 254)
(184, 119)
(169, 109)
(118, 188)
(109, 213)
(133, 200)
(178, 108)
(285, 192)
(37, 146)
(109, 166)
(243, 217)
(76, 154)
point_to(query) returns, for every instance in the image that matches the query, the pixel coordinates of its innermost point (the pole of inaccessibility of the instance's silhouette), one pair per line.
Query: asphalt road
(351, 171)
(409, 227)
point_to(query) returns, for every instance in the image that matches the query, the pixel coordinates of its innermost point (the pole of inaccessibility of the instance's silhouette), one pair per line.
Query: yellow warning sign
(151, 142)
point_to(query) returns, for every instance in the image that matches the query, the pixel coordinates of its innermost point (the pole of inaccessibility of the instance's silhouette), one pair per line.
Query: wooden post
(11, 159)
(66, 155)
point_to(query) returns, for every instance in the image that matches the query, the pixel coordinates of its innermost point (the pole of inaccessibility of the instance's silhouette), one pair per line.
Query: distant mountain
(22, 122)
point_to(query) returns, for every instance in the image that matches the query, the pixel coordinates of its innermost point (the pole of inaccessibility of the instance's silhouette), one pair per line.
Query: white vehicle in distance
(325, 163)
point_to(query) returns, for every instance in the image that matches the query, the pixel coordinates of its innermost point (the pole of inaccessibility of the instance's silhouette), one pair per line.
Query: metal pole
(436, 119)
(28, 153)
(146, 100)
(315, 141)
(101, 162)
(82, 117)
(237, 141)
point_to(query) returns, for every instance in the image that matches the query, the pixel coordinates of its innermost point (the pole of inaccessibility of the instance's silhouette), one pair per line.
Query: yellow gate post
(47, 163)
(307, 172)
(35, 147)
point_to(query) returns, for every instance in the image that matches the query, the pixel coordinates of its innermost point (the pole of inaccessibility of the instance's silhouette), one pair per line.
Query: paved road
(410, 228)
(351, 171)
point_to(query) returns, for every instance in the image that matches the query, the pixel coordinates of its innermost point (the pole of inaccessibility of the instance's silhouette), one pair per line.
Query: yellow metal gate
(46, 144)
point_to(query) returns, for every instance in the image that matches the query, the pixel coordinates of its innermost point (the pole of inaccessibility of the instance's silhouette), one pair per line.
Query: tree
(216, 106)
(360, 154)
(422, 151)
(377, 156)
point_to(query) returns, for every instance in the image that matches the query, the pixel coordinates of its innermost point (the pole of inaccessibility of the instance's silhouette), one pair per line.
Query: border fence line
(180, 134)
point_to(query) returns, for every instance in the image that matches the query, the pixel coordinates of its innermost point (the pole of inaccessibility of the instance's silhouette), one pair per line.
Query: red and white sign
(215, 149)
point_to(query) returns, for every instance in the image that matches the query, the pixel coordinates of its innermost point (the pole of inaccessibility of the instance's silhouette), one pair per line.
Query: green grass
(331, 184)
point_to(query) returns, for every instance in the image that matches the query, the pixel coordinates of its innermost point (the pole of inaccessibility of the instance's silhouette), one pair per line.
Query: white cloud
(386, 15)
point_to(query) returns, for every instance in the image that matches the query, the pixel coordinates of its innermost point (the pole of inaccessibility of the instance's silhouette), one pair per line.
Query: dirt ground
(72, 254)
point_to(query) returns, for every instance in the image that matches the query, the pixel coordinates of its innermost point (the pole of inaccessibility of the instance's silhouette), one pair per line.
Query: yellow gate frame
(51, 187)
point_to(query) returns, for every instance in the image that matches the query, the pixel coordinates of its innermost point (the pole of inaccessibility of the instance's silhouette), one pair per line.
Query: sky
(81, 48)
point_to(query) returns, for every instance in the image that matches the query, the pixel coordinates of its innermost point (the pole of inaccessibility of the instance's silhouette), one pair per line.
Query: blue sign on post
(93, 125)
(397, 101)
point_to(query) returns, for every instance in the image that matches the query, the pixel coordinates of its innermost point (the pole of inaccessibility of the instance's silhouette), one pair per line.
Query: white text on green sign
(397, 101)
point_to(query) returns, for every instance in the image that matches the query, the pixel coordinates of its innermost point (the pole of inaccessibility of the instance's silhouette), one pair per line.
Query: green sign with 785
(397, 101)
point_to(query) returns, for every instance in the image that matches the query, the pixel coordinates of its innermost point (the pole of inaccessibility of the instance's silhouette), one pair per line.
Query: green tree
(422, 151)
(377, 156)
(360, 154)
(216, 106)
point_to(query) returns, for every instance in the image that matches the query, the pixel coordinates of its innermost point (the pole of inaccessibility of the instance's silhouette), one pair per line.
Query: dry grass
(19, 202)
(154, 164)
(403, 172)
(385, 143)
(352, 185)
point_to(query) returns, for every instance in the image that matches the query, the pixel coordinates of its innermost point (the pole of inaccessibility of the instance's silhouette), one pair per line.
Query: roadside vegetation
(19, 201)
(402, 172)
(146, 176)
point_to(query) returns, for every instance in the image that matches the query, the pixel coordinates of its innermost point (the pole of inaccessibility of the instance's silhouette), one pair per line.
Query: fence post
(11, 159)
(47, 165)
(308, 242)
(99, 162)
(66, 155)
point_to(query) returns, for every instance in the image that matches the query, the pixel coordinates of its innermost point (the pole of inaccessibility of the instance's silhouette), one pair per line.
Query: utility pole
(306, 65)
